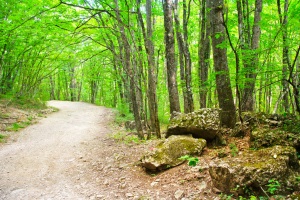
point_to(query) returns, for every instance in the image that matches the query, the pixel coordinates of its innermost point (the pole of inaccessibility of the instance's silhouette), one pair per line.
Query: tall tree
(129, 71)
(152, 77)
(170, 57)
(251, 61)
(203, 53)
(225, 97)
(184, 55)
(283, 20)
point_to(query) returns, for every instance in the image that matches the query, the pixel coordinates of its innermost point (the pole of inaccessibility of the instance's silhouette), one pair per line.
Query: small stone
(123, 186)
(99, 196)
(129, 195)
(202, 186)
(153, 184)
(178, 194)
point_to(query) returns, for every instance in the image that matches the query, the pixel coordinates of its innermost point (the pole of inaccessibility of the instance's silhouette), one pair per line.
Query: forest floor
(72, 154)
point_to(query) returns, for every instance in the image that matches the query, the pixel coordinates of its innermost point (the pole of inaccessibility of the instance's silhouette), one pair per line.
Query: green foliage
(126, 139)
(292, 125)
(2, 137)
(250, 198)
(15, 127)
(225, 196)
(123, 114)
(25, 103)
(192, 161)
(297, 179)
(233, 149)
(273, 186)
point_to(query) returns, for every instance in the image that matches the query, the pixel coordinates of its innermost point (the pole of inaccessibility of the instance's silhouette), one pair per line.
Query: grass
(16, 126)
(2, 137)
(126, 139)
(24, 103)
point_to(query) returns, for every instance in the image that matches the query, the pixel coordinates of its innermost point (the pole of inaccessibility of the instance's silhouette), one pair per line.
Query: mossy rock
(252, 170)
(167, 153)
(204, 123)
(267, 137)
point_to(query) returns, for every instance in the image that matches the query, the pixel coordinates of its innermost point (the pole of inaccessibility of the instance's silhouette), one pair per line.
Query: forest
(152, 58)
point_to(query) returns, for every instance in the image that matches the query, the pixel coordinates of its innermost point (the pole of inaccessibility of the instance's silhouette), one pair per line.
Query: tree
(250, 58)
(203, 53)
(170, 57)
(130, 72)
(225, 97)
(184, 56)
(152, 77)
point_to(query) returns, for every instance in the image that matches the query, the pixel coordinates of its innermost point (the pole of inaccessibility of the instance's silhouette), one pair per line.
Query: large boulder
(204, 123)
(167, 153)
(252, 170)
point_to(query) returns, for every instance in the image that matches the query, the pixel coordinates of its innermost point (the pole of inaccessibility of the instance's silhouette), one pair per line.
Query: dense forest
(152, 58)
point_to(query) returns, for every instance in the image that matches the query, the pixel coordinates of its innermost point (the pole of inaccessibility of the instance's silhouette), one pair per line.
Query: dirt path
(43, 163)
(69, 155)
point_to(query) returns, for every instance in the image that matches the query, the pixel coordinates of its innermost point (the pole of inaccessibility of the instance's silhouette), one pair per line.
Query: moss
(169, 152)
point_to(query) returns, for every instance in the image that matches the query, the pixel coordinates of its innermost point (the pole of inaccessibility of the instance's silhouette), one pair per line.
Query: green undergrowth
(2, 138)
(18, 125)
(123, 114)
(23, 103)
(192, 161)
(122, 137)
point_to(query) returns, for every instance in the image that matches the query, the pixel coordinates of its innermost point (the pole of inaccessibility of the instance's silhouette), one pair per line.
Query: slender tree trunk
(170, 58)
(182, 63)
(285, 54)
(129, 71)
(72, 84)
(152, 77)
(225, 97)
(187, 56)
(203, 53)
(248, 96)
(52, 88)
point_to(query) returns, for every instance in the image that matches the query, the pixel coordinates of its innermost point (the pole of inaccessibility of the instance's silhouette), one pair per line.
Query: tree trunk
(248, 96)
(129, 71)
(170, 58)
(225, 97)
(182, 63)
(72, 84)
(152, 79)
(203, 53)
(52, 88)
(285, 54)
(187, 56)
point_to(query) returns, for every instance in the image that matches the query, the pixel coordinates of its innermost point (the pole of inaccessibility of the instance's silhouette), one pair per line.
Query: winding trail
(70, 156)
(48, 159)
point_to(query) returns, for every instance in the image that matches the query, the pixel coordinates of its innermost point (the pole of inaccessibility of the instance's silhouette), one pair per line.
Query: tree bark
(203, 53)
(152, 77)
(170, 58)
(129, 71)
(225, 97)
(183, 72)
(187, 56)
(248, 96)
(285, 54)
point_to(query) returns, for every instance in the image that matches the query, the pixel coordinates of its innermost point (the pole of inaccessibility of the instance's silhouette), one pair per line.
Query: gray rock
(178, 194)
(167, 153)
(204, 123)
(253, 169)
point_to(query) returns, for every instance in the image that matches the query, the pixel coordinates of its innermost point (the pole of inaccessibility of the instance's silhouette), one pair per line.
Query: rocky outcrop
(252, 170)
(204, 123)
(167, 153)
(266, 137)
(270, 130)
